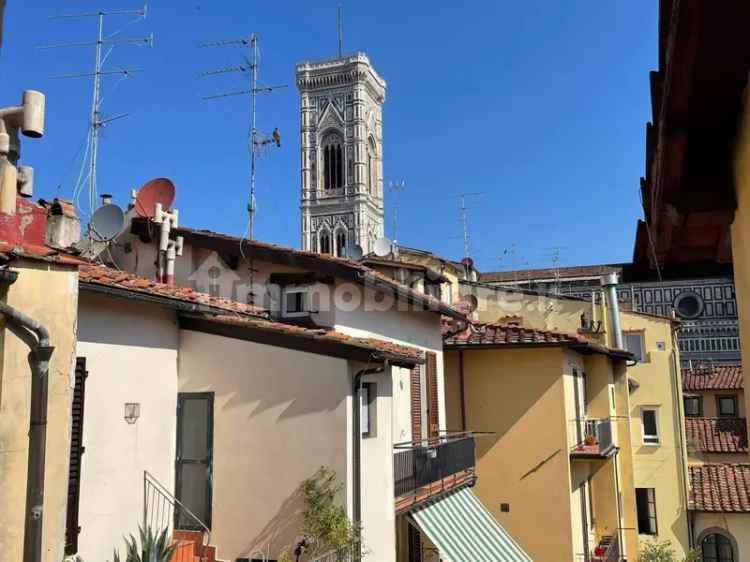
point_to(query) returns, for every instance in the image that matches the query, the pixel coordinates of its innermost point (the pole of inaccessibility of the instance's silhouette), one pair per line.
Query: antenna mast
(96, 122)
(396, 188)
(465, 220)
(256, 141)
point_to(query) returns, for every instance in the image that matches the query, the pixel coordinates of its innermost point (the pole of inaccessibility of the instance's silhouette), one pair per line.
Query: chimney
(63, 225)
(609, 283)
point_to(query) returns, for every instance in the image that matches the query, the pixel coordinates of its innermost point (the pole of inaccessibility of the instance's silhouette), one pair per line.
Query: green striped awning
(464, 531)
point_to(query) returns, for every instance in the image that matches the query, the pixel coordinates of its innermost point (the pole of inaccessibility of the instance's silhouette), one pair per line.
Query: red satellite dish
(157, 190)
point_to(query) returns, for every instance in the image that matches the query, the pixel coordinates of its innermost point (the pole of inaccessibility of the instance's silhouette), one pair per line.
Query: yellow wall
(741, 228)
(661, 467)
(48, 293)
(525, 462)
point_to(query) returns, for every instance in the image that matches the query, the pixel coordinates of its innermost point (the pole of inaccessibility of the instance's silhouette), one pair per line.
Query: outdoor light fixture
(132, 412)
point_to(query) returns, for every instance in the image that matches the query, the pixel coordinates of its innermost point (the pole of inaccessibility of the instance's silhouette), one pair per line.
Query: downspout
(356, 440)
(677, 406)
(620, 522)
(609, 283)
(461, 382)
(41, 353)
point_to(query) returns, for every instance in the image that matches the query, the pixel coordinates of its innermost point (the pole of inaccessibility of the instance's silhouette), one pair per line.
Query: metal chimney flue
(609, 284)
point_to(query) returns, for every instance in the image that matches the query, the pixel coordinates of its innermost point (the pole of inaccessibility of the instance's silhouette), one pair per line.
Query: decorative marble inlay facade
(341, 139)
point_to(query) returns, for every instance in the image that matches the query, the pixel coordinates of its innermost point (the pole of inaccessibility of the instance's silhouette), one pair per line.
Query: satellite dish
(106, 223)
(158, 190)
(355, 252)
(382, 247)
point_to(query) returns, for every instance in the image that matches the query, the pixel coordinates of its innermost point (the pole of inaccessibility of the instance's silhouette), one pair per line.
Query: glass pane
(709, 549)
(194, 430)
(193, 494)
(633, 343)
(649, 422)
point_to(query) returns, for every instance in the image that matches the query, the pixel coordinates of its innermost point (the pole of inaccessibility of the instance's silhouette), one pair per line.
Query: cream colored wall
(131, 356)
(736, 526)
(49, 294)
(709, 401)
(278, 416)
(740, 231)
(661, 467)
(518, 395)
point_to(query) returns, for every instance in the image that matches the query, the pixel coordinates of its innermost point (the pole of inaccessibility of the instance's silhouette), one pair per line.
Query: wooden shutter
(432, 395)
(416, 404)
(74, 466)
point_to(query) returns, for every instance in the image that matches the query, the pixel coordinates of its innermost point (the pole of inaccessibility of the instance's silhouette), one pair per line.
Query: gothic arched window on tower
(372, 167)
(333, 162)
(325, 242)
(341, 243)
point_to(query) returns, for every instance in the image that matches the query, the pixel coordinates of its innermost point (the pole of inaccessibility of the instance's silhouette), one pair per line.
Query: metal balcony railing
(426, 466)
(594, 437)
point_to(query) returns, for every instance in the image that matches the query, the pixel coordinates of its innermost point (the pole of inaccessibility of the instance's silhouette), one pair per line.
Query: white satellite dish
(106, 223)
(356, 253)
(382, 247)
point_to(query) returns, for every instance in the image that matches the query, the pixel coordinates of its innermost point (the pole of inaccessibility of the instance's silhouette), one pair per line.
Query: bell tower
(341, 138)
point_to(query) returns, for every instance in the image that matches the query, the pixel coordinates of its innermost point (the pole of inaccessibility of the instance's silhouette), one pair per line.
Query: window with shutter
(433, 417)
(76, 451)
(416, 404)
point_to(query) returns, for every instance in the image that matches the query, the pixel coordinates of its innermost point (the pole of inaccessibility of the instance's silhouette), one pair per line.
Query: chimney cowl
(63, 225)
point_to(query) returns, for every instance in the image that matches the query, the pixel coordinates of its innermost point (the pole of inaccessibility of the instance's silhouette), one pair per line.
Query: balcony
(429, 467)
(594, 439)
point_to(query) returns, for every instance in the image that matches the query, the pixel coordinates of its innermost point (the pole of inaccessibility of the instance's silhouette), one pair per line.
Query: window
(716, 548)
(634, 344)
(295, 302)
(726, 406)
(650, 426)
(693, 406)
(341, 243)
(325, 243)
(645, 503)
(372, 172)
(333, 162)
(688, 305)
(368, 394)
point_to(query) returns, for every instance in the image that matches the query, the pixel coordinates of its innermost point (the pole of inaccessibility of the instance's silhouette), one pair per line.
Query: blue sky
(539, 105)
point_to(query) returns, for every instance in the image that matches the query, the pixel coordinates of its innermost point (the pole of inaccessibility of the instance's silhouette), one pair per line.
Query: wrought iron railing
(594, 433)
(346, 554)
(613, 550)
(161, 510)
(421, 463)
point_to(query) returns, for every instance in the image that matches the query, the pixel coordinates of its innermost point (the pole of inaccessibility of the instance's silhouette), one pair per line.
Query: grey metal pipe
(609, 283)
(41, 353)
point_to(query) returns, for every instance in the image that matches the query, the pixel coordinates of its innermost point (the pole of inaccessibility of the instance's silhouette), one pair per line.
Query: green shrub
(663, 552)
(153, 548)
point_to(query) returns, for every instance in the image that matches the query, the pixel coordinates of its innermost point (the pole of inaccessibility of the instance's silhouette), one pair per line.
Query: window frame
(641, 335)
(651, 507)
(368, 406)
(733, 398)
(699, 400)
(644, 435)
(305, 304)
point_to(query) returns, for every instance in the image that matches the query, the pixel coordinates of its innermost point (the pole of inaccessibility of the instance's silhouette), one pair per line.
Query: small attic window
(295, 302)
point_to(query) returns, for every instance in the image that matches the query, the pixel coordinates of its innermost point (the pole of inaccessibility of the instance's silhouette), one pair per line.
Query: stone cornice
(326, 74)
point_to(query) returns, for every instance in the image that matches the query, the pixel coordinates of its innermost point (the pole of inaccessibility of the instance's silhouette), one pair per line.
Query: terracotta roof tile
(42, 253)
(101, 275)
(717, 377)
(723, 488)
(717, 435)
(321, 334)
(499, 334)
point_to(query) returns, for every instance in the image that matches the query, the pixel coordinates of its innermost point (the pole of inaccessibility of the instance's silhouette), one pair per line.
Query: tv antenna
(463, 210)
(96, 120)
(397, 187)
(555, 258)
(257, 141)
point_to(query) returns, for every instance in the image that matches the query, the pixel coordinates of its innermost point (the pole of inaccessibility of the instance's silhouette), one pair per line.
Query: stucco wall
(131, 356)
(525, 462)
(735, 526)
(662, 466)
(49, 294)
(278, 416)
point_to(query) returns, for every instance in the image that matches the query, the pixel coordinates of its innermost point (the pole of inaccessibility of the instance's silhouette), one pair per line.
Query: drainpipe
(609, 283)
(41, 353)
(679, 422)
(620, 522)
(356, 441)
(462, 389)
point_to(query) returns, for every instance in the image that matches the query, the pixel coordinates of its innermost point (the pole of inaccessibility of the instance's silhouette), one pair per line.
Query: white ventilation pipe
(609, 284)
(167, 220)
(174, 249)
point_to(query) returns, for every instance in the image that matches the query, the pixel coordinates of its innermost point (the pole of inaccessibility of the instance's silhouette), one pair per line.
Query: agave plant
(154, 548)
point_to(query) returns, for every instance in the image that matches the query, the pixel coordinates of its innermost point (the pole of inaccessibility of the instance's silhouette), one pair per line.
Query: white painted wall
(131, 356)
(279, 415)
